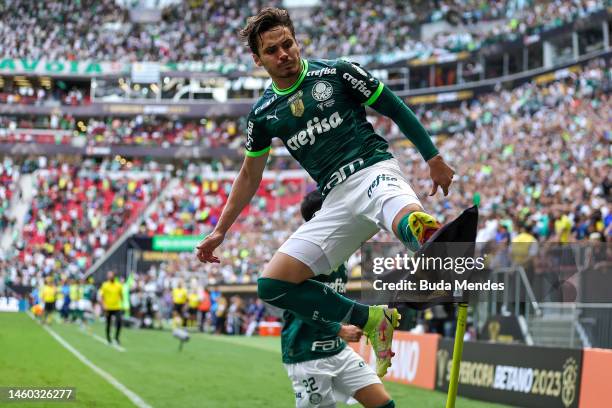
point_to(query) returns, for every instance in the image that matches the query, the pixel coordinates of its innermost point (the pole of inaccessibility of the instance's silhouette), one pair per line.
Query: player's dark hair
(311, 204)
(265, 20)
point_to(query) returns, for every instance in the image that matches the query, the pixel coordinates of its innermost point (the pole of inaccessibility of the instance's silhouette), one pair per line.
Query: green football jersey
(88, 291)
(303, 342)
(321, 120)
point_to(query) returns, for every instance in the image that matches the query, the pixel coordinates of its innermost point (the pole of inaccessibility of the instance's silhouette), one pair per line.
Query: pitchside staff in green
(322, 369)
(316, 108)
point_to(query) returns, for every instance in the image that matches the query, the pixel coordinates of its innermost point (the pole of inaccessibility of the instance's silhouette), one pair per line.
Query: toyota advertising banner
(414, 361)
(525, 376)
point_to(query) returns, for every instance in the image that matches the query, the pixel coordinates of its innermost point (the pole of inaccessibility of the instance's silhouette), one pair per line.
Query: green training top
(321, 119)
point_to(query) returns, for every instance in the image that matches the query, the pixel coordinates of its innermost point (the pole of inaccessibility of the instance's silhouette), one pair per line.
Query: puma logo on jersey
(268, 117)
(314, 127)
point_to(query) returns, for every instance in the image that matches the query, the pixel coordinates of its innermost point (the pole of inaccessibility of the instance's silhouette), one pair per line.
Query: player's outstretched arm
(393, 107)
(244, 188)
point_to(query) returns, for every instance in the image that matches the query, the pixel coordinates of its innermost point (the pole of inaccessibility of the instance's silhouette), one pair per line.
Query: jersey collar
(296, 84)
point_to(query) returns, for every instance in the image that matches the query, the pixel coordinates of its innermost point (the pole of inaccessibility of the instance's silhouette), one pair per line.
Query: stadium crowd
(512, 20)
(555, 136)
(9, 174)
(195, 205)
(200, 30)
(556, 139)
(40, 96)
(77, 212)
(141, 130)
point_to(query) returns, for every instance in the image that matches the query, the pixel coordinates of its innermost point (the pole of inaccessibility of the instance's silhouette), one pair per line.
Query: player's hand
(350, 333)
(204, 250)
(441, 174)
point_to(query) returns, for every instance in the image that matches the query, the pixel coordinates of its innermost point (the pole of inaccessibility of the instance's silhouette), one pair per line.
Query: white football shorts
(351, 214)
(323, 382)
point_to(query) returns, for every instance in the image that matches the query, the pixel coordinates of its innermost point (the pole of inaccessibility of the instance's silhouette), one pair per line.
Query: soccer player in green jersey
(89, 291)
(322, 369)
(317, 108)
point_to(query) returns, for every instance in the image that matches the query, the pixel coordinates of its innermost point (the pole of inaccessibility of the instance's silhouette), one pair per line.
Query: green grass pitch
(211, 371)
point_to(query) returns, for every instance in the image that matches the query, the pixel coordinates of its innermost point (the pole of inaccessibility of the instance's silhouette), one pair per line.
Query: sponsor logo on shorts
(315, 398)
(379, 179)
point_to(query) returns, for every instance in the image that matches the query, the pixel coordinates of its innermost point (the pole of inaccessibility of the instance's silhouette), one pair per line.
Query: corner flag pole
(457, 352)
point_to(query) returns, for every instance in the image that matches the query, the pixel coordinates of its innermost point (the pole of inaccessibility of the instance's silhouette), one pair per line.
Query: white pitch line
(139, 402)
(103, 341)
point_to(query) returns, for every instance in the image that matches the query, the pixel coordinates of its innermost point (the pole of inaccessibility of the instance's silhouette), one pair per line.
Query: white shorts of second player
(85, 305)
(351, 214)
(325, 381)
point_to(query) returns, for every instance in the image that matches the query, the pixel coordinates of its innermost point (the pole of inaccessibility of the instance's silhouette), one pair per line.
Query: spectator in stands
(102, 30)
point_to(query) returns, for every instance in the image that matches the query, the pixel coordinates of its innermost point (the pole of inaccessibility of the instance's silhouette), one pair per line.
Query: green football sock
(312, 300)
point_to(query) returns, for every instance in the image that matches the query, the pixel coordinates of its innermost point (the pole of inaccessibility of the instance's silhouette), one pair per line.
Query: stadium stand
(9, 174)
(103, 31)
(76, 213)
(140, 130)
(195, 205)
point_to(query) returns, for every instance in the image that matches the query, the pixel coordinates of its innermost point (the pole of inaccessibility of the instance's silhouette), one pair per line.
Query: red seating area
(76, 215)
(195, 206)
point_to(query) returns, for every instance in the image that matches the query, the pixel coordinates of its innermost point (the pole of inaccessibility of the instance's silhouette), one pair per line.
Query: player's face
(279, 53)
